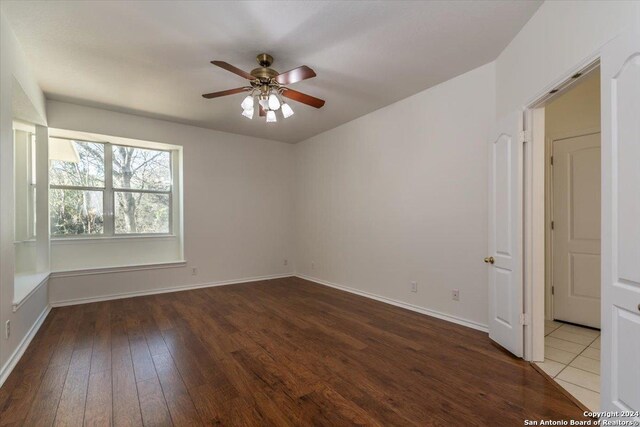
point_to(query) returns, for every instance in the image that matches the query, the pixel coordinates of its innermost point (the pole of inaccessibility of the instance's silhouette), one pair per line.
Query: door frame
(610, 56)
(549, 181)
(536, 222)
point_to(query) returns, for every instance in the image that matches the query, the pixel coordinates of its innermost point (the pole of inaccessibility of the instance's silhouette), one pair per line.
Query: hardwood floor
(280, 352)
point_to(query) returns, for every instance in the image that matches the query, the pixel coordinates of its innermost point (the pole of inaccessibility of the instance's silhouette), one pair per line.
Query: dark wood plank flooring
(280, 352)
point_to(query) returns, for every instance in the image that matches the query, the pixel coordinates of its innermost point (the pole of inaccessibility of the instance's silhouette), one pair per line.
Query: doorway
(618, 62)
(572, 197)
(567, 125)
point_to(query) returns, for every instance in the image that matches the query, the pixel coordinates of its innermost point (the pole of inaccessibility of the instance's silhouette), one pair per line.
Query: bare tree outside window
(149, 172)
(136, 183)
(77, 187)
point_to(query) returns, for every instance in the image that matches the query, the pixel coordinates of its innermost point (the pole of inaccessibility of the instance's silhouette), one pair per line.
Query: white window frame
(108, 194)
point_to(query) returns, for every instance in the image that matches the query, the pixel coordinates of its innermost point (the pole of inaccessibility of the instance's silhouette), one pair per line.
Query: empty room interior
(319, 213)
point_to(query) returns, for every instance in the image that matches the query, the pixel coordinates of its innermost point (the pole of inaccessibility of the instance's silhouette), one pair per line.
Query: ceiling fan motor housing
(264, 74)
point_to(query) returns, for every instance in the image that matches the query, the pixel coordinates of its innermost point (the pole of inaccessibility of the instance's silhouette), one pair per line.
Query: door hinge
(553, 225)
(524, 319)
(551, 160)
(553, 290)
(525, 136)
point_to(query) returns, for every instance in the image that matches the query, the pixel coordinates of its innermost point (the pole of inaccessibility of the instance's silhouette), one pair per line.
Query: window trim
(108, 195)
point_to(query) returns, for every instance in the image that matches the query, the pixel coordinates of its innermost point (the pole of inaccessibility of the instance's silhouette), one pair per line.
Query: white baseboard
(87, 300)
(19, 351)
(443, 316)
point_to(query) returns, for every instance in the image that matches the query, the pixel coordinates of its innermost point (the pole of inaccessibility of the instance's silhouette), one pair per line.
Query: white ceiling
(152, 57)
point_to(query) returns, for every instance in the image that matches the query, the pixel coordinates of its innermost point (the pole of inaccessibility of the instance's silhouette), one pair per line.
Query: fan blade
(262, 112)
(225, 92)
(303, 97)
(233, 69)
(295, 75)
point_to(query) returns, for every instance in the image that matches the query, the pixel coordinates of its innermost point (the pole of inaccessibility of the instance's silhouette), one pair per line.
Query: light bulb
(247, 103)
(286, 110)
(248, 113)
(264, 103)
(274, 102)
(271, 116)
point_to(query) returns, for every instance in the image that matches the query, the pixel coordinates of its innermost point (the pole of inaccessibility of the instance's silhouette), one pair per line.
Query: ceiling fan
(267, 87)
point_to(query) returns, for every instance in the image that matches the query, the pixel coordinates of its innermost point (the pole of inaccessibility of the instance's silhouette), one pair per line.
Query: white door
(576, 229)
(620, 352)
(504, 260)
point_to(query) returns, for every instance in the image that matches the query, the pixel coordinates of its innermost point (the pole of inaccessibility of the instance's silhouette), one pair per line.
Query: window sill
(26, 285)
(118, 269)
(111, 239)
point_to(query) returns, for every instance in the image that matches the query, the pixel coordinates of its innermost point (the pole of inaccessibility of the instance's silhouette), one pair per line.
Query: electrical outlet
(7, 329)
(286, 262)
(414, 286)
(455, 294)
(194, 271)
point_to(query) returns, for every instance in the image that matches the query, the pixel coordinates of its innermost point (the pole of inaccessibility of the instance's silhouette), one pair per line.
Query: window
(142, 190)
(31, 193)
(25, 184)
(102, 189)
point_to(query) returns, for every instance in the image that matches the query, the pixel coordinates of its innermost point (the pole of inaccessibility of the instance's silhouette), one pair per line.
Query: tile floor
(572, 359)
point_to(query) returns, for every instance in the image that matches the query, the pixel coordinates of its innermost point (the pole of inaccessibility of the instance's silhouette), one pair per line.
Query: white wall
(238, 205)
(81, 254)
(400, 195)
(15, 78)
(559, 37)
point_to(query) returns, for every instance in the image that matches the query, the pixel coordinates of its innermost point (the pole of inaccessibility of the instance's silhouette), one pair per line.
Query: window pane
(141, 169)
(76, 163)
(141, 212)
(32, 212)
(33, 159)
(32, 187)
(76, 212)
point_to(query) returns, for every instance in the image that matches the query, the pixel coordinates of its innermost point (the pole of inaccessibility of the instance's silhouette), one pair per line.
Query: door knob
(489, 260)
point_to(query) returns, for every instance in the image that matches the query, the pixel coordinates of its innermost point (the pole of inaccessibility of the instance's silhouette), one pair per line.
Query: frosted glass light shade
(286, 110)
(274, 102)
(264, 103)
(248, 113)
(247, 103)
(271, 116)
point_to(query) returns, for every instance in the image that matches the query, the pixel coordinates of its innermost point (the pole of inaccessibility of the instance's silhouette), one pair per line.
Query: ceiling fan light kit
(286, 110)
(248, 113)
(267, 89)
(247, 104)
(274, 102)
